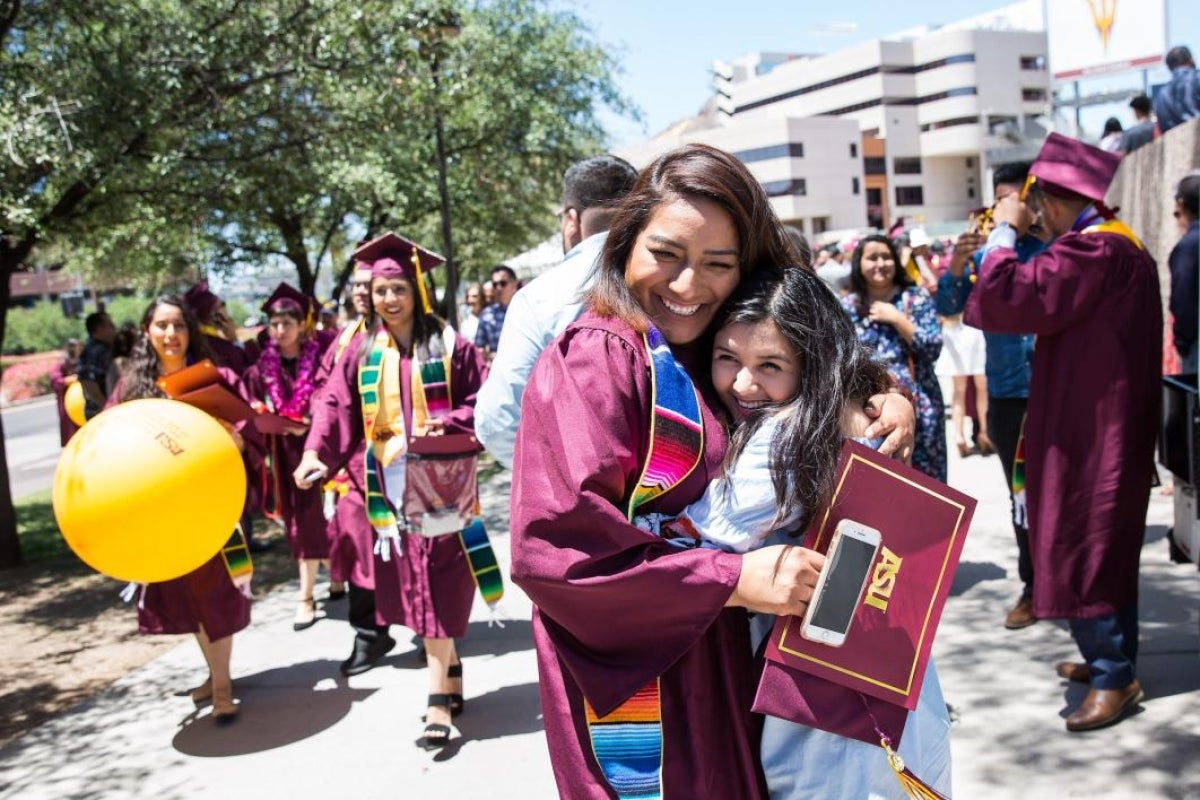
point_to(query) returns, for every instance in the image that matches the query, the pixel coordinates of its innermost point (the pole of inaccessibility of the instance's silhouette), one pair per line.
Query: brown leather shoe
(1074, 671)
(1021, 615)
(1104, 707)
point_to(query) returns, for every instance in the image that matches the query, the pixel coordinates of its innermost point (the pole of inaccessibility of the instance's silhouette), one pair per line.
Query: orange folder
(923, 525)
(201, 385)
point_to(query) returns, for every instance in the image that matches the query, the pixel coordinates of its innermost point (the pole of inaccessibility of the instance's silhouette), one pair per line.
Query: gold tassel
(913, 786)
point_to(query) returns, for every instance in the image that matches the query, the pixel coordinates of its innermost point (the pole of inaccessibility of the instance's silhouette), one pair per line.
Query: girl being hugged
(412, 377)
(206, 601)
(785, 361)
(283, 382)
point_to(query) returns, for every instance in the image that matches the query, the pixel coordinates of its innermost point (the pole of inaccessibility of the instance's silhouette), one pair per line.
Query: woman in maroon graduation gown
(61, 377)
(422, 583)
(628, 628)
(283, 382)
(205, 601)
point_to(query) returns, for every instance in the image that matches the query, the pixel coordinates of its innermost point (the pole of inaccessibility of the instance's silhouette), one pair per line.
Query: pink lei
(271, 368)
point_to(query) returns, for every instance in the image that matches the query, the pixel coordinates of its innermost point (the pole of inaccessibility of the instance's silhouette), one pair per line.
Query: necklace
(293, 404)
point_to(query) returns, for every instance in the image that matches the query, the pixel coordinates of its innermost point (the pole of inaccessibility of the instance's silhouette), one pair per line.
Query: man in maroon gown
(1092, 297)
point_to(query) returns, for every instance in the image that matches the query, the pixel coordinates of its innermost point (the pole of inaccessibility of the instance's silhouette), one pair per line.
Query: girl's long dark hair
(427, 328)
(142, 368)
(834, 368)
(858, 284)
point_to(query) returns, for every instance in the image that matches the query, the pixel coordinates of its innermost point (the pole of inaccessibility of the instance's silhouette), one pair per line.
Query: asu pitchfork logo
(1104, 14)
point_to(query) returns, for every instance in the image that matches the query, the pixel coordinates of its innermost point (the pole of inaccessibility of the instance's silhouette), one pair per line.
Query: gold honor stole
(386, 439)
(628, 743)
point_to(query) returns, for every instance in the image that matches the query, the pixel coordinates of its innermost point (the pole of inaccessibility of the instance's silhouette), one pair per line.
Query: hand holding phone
(841, 583)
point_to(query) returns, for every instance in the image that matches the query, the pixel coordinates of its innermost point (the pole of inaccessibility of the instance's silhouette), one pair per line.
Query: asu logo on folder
(922, 524)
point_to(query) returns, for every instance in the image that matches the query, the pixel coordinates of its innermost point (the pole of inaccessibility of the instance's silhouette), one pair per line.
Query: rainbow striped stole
(370, 376)
(628, 743)
(1018, 476)
(237, 560)
(484, 567)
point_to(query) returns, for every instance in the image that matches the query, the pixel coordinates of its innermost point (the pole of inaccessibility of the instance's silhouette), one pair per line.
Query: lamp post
(433, 36)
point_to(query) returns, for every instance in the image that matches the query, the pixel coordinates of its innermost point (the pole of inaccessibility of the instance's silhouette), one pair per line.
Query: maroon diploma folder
(923, 524)
(200, 385)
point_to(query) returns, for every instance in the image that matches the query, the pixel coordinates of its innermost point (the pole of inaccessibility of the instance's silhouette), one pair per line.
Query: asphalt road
(32, 444)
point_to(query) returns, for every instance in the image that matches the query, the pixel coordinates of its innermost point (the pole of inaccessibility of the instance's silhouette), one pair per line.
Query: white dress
(964, 351)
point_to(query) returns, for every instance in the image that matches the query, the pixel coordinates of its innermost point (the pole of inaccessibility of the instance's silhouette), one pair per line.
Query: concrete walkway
(307, 732)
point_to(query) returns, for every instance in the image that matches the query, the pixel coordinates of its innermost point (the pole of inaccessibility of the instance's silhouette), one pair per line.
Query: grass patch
(37, 529)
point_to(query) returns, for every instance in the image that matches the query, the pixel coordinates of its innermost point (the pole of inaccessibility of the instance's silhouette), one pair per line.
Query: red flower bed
(26, 377)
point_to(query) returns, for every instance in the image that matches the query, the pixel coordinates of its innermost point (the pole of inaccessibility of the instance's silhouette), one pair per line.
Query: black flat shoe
(367, 653)
(436, 736)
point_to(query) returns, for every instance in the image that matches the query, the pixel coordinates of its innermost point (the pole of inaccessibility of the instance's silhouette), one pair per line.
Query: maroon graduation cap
(393, 256)
(1070, 164)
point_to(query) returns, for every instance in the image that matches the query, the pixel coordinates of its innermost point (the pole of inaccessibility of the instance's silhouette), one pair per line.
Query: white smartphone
(841, 583)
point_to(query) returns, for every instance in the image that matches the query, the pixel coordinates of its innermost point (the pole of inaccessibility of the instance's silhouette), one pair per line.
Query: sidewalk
(307, 732)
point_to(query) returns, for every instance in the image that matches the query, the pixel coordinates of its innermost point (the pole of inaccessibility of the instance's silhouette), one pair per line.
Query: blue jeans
(1109, 645)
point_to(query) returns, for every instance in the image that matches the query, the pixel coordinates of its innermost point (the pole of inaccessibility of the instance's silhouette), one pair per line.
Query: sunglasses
(500, 284)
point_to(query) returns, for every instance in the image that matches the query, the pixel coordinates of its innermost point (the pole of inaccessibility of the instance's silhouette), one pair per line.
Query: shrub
(39, 328)
(27, 378)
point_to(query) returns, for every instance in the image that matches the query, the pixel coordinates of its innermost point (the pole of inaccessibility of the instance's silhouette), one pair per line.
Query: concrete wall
(1144, 190)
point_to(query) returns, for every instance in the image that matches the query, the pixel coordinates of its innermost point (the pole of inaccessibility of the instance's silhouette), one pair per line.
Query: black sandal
(457, 703)
(436, 736)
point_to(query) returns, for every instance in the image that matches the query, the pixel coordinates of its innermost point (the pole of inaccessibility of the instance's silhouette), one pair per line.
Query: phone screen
(839, 597)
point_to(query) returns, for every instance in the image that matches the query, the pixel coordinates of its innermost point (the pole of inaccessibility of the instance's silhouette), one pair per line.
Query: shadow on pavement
(278, 707)
(970, 573)
(507, 711)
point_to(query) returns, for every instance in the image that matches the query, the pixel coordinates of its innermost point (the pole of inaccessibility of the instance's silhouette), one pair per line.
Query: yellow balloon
(149, 490)
(74, 401)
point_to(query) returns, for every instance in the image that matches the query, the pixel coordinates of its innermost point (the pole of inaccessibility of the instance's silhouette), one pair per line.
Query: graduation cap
(288, 298)
(200, 300)
(392, 256)
(1072, 165)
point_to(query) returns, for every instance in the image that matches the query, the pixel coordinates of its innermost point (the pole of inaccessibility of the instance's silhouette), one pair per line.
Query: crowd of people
(672, 401)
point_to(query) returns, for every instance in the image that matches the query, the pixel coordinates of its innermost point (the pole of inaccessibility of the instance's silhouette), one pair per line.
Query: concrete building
(907, 125)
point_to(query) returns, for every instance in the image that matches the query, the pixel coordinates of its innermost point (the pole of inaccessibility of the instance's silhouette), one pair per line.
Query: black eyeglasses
(499, 284)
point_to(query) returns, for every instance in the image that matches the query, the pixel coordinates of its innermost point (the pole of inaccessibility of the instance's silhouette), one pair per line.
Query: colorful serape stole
(628, 743)
(484, 567)
(1020, 510)
(370, 378)
(237, 560)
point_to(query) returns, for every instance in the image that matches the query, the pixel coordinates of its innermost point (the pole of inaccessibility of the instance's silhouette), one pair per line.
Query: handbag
(441, 486)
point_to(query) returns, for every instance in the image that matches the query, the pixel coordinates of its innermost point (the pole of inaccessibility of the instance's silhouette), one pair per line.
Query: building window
(854, 185)
(970, 162)
(906, 166)
(1033, 62)
(910, 196)
(794, 187)
(970, 192)
(790, 150)
(820, 225)
(1034, 95)
(875, 166)
(854, 150)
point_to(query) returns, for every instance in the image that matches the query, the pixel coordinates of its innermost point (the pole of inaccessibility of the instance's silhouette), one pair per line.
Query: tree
(145, 139)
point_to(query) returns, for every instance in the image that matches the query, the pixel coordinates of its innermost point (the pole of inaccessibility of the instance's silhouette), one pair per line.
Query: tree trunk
(11, 256)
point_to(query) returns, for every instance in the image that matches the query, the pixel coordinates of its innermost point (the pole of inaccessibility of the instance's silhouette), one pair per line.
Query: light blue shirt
(538, 313)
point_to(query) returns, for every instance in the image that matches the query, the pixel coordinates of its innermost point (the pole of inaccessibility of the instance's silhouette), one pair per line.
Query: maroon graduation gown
(1093, 301)
(227, 354)
(206, 596)
(59, 383)
(429, 588)
(301, 510)
(616, 607)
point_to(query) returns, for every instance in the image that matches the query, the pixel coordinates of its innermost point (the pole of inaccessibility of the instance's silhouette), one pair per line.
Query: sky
(666, 47)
